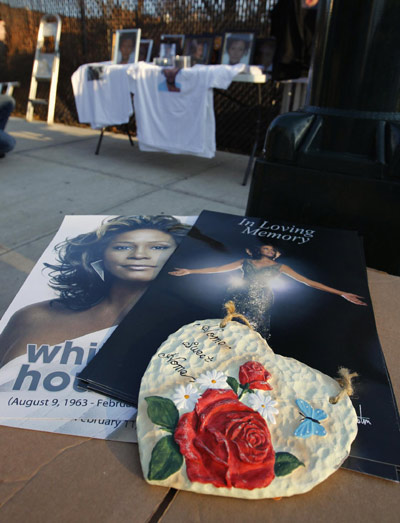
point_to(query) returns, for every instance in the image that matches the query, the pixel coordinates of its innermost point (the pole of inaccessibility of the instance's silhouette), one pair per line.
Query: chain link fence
(88, 26)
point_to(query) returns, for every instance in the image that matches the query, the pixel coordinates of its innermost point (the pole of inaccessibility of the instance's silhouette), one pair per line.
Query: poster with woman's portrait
(171, 45)
(94, 271)
(199, 48)
(237, 48)
(264, 52)
(126, 48)
(168, 51)
(145, 50)
(303, 289)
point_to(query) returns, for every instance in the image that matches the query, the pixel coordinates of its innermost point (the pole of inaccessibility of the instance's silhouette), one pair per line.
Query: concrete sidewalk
(53, 171)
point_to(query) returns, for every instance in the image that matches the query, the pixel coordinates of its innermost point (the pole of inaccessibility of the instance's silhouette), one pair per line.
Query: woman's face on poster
(268, 251)
(236, 51)
(268, 52)
(126, 48)
(138, 255)
(3, 33)
(168, 50)
(199, 50)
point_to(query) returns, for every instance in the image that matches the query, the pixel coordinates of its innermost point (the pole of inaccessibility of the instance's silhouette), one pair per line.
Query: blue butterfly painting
(310, 424)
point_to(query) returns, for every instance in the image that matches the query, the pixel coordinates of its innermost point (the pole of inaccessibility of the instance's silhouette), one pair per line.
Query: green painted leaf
(165, 459)
(245, 388)
(286, 463)
(233, 383)
(162, 412)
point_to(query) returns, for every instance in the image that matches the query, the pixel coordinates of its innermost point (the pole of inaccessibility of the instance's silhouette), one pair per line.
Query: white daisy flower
(265, 405)
(185, 397)
(212, 379)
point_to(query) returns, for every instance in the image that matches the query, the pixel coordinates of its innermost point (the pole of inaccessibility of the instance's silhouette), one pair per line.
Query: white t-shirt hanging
(102, 94)
(178, 117)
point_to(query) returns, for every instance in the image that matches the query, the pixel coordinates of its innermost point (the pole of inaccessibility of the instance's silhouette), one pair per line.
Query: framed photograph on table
(217, 48)
(199, 48)
(126, 48)
(264, 53)
(237, 48)
(145, 49)
(171, 45)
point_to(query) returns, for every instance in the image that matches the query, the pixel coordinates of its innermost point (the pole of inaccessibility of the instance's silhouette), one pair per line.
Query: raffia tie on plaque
(220, 413)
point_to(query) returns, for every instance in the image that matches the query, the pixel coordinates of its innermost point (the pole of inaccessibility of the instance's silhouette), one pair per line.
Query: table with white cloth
(178, 121)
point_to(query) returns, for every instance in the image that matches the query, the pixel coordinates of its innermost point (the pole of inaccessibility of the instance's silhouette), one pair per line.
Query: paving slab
(119, 158)
(219, 184)
(36, 194)
(167, 201)
(27, 253)
(32, 135)
(11, 280)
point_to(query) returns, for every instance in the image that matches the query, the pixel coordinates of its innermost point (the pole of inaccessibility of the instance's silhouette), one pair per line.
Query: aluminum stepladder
(8, 87)
(45, 66)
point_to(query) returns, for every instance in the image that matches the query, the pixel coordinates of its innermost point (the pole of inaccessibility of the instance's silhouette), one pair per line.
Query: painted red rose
(226, 443)
(254, 373)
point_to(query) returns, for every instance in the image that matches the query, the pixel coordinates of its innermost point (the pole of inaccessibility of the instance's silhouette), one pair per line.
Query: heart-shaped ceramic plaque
(220, 413)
